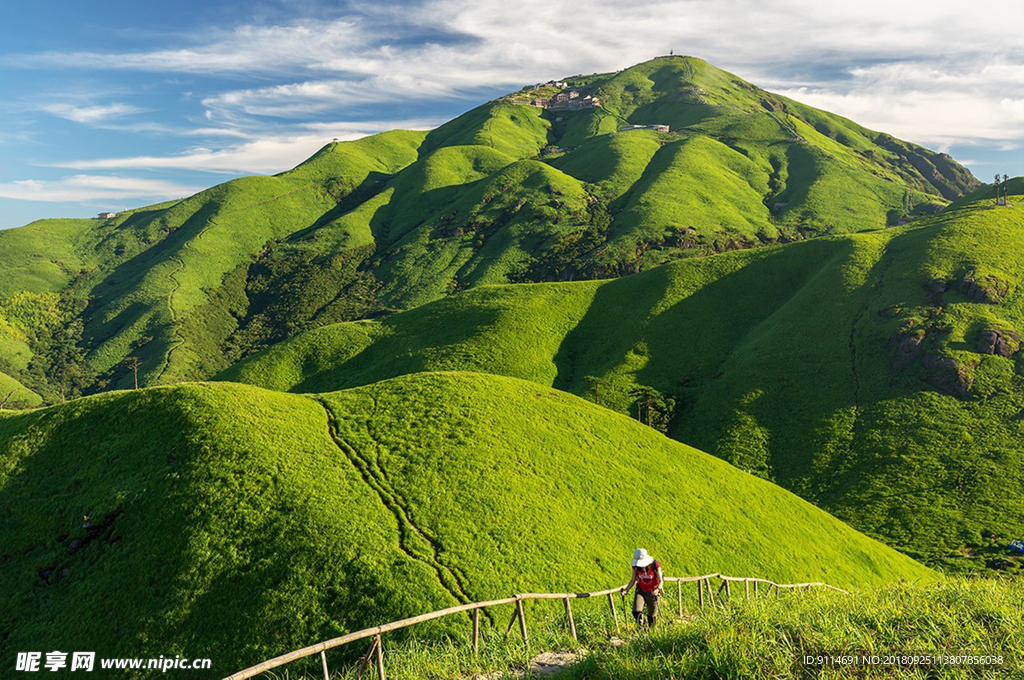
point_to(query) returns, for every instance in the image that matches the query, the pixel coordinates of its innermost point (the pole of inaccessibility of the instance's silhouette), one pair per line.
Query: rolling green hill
(878, 375)
(232, 522)
(506, 193)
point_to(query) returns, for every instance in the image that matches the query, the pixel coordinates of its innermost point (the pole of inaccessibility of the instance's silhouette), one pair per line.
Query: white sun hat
(641, 558)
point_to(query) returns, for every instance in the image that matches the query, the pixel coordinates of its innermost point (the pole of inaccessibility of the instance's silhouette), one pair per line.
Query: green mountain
(230, 522)
(506, 193)
(877, 374)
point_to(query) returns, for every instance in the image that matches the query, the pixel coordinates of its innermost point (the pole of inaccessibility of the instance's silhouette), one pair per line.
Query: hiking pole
(622, 597)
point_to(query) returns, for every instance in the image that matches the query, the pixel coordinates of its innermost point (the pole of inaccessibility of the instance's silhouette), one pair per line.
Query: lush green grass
(772, 638)
(780, 360)
(14, 349)
(227, 521)
(506, 193)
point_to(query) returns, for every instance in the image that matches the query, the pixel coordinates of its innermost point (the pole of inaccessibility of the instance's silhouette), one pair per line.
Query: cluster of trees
(653, 408)
(52, 326)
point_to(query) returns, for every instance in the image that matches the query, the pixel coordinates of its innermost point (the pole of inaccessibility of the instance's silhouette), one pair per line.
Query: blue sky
(111, 104)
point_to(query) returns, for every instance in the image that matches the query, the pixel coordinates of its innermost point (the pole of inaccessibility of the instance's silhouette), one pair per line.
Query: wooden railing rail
(705, 594)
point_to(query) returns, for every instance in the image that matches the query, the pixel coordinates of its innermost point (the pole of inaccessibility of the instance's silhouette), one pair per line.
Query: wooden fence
(705, 594)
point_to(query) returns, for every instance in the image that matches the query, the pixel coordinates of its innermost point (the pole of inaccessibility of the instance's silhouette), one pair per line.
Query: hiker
(648, 579)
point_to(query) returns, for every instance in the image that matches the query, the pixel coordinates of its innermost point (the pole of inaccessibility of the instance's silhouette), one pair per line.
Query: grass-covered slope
(141, 284)
(228, 521)
(877, 374)
(15, 394)
(506, 193)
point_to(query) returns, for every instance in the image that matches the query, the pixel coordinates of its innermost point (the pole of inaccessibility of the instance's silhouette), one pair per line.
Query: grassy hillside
(232, 522)
(878, 374)
(16, 394)
(506, 193)
(141, 284)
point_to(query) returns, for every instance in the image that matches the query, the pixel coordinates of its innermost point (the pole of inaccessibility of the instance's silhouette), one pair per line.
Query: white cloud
(270, 154)
(933, 103)
(245, 49)
(925, 53)
(90, 114)
(85, 188)
(931, 71)
(553, 35)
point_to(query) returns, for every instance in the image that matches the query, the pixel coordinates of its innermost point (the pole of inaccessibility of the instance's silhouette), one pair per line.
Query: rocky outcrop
(947, 375)
(987, 289)
(1000, 342)
(908, 349)
(935, 288)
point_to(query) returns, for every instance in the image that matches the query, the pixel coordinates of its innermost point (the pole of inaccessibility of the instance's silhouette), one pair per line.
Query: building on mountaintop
(566, 100)
(106, 215)
(572, 100)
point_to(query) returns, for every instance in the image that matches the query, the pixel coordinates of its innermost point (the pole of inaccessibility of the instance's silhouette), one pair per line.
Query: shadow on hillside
(193, 537)
(374, 183)
(433, 337)
(711, 332)
(130, 276)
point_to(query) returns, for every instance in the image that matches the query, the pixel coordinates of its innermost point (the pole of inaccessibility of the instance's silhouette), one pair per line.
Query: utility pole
(133, 364)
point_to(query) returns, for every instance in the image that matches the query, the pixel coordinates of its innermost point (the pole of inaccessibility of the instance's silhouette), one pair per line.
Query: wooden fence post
(380, 659)
(756, 589)
(728, 591)
(572, 624)
(522, 621)
(476, 631)
(700, 592)
(365, 662)
(711, 594)
(615, 617)
(746, 588)
(512, 621)
(323, 661)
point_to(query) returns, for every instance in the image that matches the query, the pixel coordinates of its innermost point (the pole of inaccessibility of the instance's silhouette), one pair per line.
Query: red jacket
(647, 577)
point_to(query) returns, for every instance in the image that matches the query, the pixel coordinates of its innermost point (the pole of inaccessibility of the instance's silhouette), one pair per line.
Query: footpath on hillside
(552, 664)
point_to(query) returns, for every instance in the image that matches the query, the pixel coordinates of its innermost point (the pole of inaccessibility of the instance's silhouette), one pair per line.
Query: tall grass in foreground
(764, 638)
(770, 638)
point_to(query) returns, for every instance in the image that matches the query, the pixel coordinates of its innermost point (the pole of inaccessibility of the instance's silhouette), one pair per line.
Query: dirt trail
(409, 534)
(551, 664)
